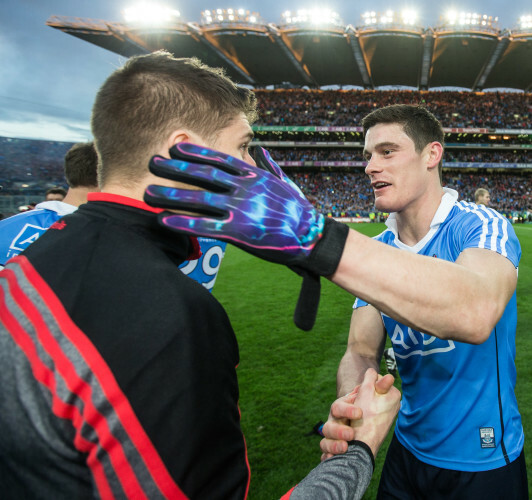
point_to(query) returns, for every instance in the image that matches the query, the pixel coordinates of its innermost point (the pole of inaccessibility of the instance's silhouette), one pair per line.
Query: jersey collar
(123, 200)
(195, 249)
(447, 202)
(59, 207)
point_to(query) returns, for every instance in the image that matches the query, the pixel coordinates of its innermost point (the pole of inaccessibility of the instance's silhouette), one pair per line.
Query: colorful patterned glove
(309, 295)
(257, 210)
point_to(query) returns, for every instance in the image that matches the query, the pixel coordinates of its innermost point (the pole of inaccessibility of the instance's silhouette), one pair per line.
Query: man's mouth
(380, 185)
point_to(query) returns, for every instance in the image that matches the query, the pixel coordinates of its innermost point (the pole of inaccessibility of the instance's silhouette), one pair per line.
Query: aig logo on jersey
(408, 342)
(487, 437)
(26, 237)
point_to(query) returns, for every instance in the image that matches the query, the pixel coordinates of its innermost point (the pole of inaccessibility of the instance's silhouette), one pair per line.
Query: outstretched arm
(460, 300)
(266, 216)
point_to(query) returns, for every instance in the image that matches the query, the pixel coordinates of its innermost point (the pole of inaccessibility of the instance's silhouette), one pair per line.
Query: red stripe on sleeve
(246, 455)
(109, 387)
(288, 494)
(47, 378)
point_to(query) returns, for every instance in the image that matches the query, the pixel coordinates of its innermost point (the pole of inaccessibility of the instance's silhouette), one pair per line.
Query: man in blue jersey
(440, 282)
(19, 231)
(459, 432)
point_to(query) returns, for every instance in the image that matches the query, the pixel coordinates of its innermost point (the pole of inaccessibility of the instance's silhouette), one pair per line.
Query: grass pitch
(287, 377)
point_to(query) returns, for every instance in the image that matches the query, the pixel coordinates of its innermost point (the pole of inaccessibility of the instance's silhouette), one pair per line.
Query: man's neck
(77, 196)
(413, 223)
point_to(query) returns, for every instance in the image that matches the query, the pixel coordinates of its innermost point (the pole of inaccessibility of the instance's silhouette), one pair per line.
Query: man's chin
(380, 206)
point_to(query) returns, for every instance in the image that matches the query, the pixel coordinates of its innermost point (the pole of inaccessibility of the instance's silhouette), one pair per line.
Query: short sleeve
(486, 228)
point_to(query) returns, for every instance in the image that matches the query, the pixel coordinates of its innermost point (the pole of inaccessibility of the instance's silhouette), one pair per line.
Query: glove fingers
(264, 160)
(197, 226)
(192, 152)
(202, 176)
(200, 202)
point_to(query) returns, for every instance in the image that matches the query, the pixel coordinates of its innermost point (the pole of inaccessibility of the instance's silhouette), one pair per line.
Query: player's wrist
(365, 446)
(326, 255)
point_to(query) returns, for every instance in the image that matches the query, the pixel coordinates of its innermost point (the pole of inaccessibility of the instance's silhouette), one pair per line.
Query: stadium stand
(348, 107)
(325, 158)
(313, 130)
(347, 194)
(316, 49)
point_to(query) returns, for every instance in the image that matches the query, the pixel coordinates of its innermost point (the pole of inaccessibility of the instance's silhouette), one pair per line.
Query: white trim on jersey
(487, 216)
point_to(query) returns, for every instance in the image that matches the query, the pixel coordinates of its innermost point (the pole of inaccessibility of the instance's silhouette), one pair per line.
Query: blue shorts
(404, 477)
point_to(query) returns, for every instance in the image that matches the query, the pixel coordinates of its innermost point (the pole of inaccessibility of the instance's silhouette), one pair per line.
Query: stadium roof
(260, 55)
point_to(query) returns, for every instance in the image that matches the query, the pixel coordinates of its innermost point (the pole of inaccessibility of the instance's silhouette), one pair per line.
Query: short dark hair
(142, 102)
(81, 165)
(417, 121)
(56, 190)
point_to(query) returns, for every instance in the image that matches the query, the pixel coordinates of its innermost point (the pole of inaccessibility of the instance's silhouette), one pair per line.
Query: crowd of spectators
(508, 193)
(488, 156)
(28, 167)
(511, 110)
(340, 137)
(349, 193)
(339, 194)
(355, 155)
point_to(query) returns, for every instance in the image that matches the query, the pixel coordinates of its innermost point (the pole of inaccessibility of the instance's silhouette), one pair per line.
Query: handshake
(258, 209)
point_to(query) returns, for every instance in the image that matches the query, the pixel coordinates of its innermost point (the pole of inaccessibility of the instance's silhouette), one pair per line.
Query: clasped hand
(365, 414)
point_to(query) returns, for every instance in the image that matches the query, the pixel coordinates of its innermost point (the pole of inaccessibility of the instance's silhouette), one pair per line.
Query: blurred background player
(55, 194)
(19, 231)
(482, 197)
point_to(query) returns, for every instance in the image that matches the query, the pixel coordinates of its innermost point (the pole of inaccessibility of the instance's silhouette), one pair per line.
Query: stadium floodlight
(525, 22)
(369, 17)
(454, 18)
(386, 19)
(407, 17)
(316, 17)
(150, 14)
(228, 16)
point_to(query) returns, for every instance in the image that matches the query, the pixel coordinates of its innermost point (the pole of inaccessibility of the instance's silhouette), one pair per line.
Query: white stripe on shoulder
(488, 216)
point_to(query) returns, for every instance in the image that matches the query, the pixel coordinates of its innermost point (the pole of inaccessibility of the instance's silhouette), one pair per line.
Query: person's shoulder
(386, 236)
(469, 212)
(31, 216)
(483, 227)
(59, 207)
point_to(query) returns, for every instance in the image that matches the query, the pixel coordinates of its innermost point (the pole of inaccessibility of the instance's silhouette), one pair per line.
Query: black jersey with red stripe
(118, 374)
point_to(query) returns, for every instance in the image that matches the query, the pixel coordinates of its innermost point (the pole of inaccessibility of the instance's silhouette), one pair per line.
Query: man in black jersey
(118, 371)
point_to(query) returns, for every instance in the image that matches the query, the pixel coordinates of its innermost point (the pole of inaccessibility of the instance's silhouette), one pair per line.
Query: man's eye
(387, 152)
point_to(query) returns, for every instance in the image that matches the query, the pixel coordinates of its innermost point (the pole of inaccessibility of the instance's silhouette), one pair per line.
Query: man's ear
(435, 153)
(183, 135)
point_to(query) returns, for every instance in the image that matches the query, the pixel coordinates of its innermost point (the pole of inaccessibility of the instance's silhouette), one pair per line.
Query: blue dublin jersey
(459, 409)
(205, 269)
(19, 231)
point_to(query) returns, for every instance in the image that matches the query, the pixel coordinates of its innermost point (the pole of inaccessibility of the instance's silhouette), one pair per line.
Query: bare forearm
(351, 371)
(431, 295)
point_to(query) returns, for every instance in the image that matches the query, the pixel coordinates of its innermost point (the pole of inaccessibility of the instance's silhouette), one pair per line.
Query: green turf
(288, 377)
